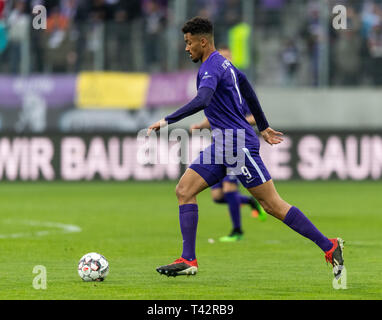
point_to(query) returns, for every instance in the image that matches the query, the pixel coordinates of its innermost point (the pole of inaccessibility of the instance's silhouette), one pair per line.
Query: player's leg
(217, 193)
(226, 192)
(270, 200)
(232, 188)
(231, 196)
(273, 204)
(258, 181)
(218, 197)
(257, 210)
(187, 189)
(190, 184)
(197, 177)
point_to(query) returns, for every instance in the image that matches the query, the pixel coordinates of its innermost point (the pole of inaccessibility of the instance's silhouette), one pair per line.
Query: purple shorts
(228, 178)
(249, 168)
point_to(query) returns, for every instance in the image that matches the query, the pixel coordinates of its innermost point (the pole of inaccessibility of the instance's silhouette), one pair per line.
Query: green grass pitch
(136, 227)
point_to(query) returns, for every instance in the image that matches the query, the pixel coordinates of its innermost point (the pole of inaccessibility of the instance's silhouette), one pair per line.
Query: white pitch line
(63, 228)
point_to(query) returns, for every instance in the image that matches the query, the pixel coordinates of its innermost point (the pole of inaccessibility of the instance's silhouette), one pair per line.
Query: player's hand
(271, 136)
(156, 126)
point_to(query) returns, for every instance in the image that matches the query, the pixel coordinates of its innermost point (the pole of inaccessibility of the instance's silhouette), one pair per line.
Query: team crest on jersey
(226, 64)
(206, 75)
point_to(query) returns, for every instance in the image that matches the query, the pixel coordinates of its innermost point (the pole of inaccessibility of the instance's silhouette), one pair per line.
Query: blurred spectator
(77, 54)
(346, 47)
(290, 58)
(58, 36)
(130, 35)
(312, 33)
(2, 7)
(271, 10)
(36, 43)
(229, 15)
(370, 17)
(101, 11)
(375, 47)
(232, 12)
(3, 31)
(120, 35)
(210, 9)
(82, 11)
(17, 22)
(347, 58)
(154, 15)
(216, 11)
(128, 11)
(57, 26)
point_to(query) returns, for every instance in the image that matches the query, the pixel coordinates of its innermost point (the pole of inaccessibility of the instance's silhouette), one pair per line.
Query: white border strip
(246, 151)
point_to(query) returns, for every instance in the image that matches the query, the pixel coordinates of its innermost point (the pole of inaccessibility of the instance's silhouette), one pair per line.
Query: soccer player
(221, 91)
(226, 191)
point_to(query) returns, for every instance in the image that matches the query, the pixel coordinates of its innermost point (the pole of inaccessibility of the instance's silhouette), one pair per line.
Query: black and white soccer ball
(93, 267)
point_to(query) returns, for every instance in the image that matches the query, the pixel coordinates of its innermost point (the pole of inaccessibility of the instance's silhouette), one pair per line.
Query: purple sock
(233, 201)
(188, 218)
(297, 221)
(244, 199)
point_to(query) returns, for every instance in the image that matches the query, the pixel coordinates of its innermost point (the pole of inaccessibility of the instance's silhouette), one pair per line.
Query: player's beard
(196, 60)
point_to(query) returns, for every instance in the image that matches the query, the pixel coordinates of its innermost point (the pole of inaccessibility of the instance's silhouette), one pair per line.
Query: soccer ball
(93, 267)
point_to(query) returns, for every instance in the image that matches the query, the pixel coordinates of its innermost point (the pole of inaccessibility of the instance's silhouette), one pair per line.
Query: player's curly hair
(197, 26)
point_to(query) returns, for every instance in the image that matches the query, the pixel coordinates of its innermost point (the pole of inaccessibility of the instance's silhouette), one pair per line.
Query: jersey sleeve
(252, 101)
(200, 102)
(246, 110)
(210, 76)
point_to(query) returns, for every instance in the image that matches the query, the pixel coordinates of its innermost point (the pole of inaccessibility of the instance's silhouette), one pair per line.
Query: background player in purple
(221, 90)
(226, 191)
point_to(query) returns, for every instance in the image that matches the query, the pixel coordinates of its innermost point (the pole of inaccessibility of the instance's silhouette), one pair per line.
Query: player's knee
(273, 207)
(182, 193)
(267, 206)
(229, 187)
(178, 191)
(217, 195)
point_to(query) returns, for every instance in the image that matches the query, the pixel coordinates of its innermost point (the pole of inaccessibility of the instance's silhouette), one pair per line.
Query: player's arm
(200, 102)
(271, 136)
(252, 101)
(203, 125)
(251, 119)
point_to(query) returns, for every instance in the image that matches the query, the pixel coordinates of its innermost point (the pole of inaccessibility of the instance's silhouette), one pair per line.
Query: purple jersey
(226, 112)
(246, 110)
(235, 144)
(228, 108)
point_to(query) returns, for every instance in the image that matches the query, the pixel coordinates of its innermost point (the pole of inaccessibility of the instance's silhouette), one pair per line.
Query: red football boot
(336, 257)
(180, 267)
